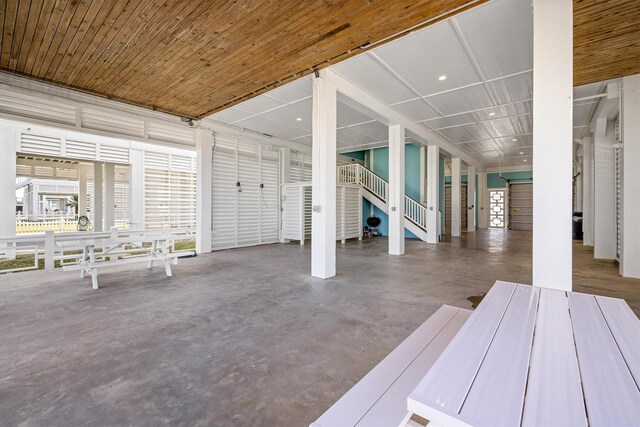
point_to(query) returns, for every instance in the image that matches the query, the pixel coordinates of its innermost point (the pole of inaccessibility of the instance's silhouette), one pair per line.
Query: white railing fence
(358, 174)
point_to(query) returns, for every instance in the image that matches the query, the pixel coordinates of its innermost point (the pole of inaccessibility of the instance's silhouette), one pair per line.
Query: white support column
(203, 141)
(471, 198)
(456, 194)
(396, 190)
(97, 196)
(285, 176)
(109, 195)
(483, 201)
(579, 180)
(82, 191)
(423, 174)
(630, 256)
(136, 175)
(433, 192)
(552, 142)
(324, 161)
(587, 191)
(604, 239)
(8, 138)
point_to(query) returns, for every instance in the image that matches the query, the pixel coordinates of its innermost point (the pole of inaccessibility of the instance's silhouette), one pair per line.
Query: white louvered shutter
(269, 196)
(224, 195)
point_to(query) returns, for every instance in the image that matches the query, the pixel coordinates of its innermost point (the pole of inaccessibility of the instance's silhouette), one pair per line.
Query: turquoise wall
(494, 181)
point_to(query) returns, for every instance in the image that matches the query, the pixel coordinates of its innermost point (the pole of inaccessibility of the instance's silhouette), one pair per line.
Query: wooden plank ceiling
(194, 57)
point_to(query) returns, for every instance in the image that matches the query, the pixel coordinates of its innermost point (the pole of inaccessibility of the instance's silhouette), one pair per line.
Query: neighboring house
(44, 197)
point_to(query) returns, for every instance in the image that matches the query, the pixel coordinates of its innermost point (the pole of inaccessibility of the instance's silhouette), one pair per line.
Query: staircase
(376, 191)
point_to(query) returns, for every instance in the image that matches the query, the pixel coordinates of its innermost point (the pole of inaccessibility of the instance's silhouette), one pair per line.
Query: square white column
(456, 194)
(587, 191)
(98, 182)
(604, 238)
(137, 182)
(552, 142)
(396, 190)
(323, 177)
(433, 192)
(471, 198)
(483, 201)
(203, 141)
(82, 191)
(109, 195)
(423, 175)
(9, 138)
(630, 250)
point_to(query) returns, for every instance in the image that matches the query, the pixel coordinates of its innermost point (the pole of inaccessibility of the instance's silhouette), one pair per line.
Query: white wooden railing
(358, 174)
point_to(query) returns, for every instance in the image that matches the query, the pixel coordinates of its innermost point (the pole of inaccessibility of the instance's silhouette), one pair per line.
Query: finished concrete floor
(239, 337)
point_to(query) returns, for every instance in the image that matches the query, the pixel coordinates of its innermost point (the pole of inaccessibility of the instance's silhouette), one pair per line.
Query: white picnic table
(111, 247)
(537, 357)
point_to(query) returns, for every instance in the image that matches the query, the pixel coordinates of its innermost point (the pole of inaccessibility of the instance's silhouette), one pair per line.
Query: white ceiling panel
(293, 91)
(367, 73)
(259, 104)
(270, 127)
(416, 110)
(461, 100)
(582, 114)
(423, 56)
(375, 130)
(350, 137)
(522, 124)
(499, 127)
(480, 146)
(472, 132)
(512, 89)
(347, 116)
(500, 36)
(305, 104)
(589, 90)
(231, 115)
(289, 116)
(307, 139)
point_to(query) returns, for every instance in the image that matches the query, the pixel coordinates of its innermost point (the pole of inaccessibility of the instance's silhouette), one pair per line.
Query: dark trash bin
(577, 226)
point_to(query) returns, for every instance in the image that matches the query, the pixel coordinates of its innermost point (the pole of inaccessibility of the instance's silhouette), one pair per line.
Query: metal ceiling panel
(375, 130)
(500, 36)
(416, 110)
(513, 89)
(347, 116)
(259, 104)
(349, 137)
(582, 114)
(461, 100)
(471, 132)
(367, 73)
(425, 55)
(270, 127)
(293, 91)
(499, 127)
(231, 115)
(289, 116)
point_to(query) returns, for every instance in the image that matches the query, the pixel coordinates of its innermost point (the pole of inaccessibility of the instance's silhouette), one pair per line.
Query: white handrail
(358, 174)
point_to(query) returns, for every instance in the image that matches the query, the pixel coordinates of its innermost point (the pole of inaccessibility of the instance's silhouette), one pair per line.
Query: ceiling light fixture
(442, 77)
(514, 139)
(492, 114)
(522, 152)
(299, 119)
(524, 160)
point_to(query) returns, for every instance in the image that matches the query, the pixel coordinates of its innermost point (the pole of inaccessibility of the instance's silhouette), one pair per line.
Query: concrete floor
(239, 337)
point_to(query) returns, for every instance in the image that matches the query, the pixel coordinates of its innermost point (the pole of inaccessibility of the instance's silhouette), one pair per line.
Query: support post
(604, 238)
(587, 191)
(456, 203)
(285, 174)
(483, 201)
(109, 195)
(203, 141)
(552, 142)
(324, 161)
(396, 190)
(82, 191)
(433, 192)
(630, 250)
(9, 138)
(49, 250)
(97, 196)
(423, 174)
(136, 184)
(471, 198)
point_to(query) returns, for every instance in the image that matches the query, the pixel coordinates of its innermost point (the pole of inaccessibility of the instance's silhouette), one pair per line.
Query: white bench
(91, 261)
(531, 356)
(379, 399)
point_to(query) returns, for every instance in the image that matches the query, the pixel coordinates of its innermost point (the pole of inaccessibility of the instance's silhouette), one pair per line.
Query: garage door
(447, 208)
(521, 206)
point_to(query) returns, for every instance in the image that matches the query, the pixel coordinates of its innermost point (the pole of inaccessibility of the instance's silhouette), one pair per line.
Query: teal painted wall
(355, 155)
(494, 181)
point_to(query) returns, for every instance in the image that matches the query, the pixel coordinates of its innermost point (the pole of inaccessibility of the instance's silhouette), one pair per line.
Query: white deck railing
(358, 174)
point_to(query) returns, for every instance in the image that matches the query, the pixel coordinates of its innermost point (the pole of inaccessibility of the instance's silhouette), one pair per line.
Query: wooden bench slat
(391, 407)
(611, 395)
(497, 394)
(554, 394)
(625, 327)
(348, 410)
(447, 383)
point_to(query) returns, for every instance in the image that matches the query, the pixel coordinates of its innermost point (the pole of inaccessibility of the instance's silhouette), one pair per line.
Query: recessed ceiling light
(514, 139)
(442, 77)
(524, 160)
(299, 119)
(522, 152)
(492, 114)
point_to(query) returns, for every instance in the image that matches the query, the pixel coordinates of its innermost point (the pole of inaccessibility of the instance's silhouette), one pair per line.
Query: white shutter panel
(156, 189)
(249, 196)
(340, 208)
(291, 212)
(40, 144)
(269, 197)
(353, 209)
(224, 196)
